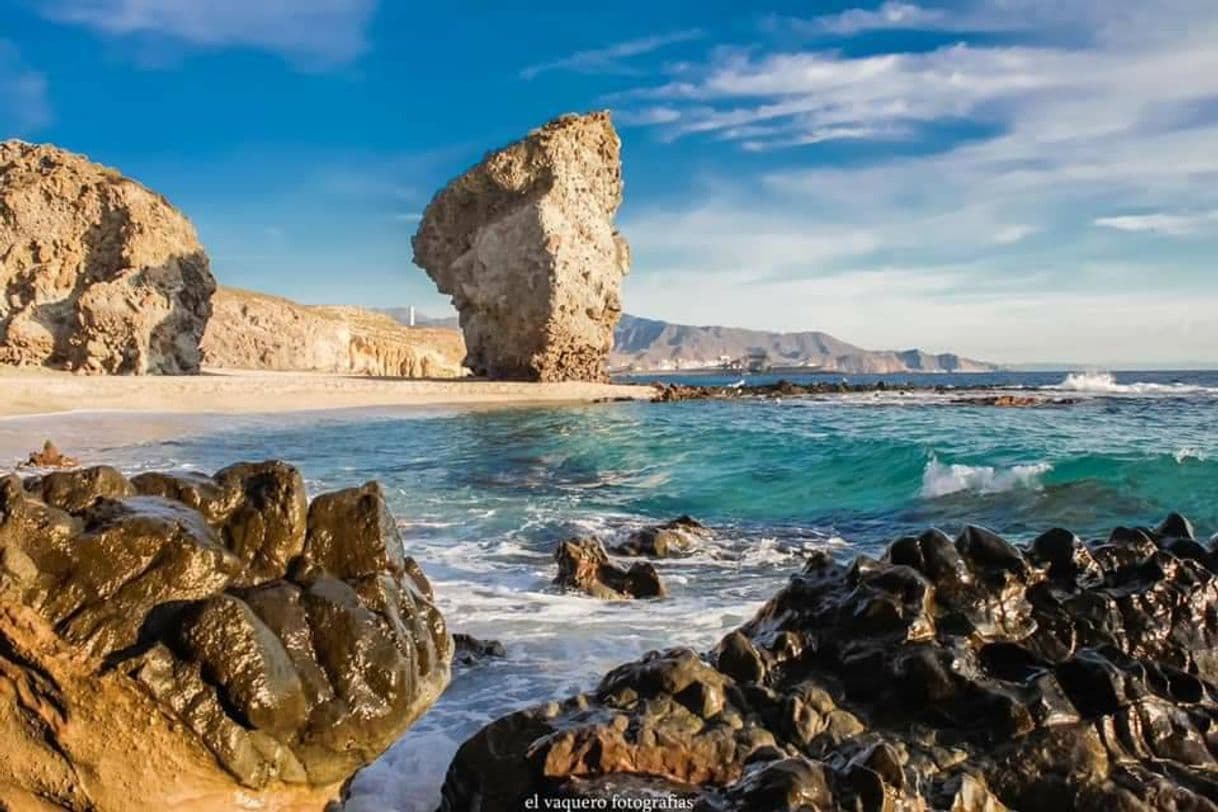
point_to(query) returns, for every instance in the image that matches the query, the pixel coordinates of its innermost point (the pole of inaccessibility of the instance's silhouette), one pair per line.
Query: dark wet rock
(584, 565)
(285, 645)
(964, 674)
(676, 537)
(676, 392)
(469, 650)
(49, 457)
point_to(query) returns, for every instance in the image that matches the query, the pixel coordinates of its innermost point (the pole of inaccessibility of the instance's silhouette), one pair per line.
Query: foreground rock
(584, 565)
(179, 641)
(525, 245)
(256, 331)
(99, 273)
(677, 537)
(951, 674)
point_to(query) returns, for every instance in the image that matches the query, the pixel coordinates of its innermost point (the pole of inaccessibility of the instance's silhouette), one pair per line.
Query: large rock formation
(99, 274)
(525, 245)
(180, 641)
(966, 675)
(255, 331)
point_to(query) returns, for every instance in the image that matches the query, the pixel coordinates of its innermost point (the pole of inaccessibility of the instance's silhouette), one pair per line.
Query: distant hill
(650, 344)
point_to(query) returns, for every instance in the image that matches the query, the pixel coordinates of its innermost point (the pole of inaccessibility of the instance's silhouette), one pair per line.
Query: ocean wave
(939, 479)
(1184, 454)
(1104, 383)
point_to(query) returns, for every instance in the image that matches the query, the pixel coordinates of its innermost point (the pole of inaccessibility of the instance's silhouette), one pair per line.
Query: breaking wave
(939, 479)
(1105, 383)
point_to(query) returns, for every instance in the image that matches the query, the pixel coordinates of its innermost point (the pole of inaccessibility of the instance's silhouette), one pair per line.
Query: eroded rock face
(99, 274)
(255, 331)
(584, 565)
(204, 641)
(525, 245)
(960, 674)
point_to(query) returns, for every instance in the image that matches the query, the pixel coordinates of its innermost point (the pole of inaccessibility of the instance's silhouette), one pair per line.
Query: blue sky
(1015, 180)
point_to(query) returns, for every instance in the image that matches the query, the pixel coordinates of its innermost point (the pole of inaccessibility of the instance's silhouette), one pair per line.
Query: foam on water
(940, 479)
(1105, 383)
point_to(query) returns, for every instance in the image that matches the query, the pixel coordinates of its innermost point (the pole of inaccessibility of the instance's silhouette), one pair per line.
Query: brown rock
(49, 457)
(167, 643)
(101, 274)
(584, 565)
(525, 245)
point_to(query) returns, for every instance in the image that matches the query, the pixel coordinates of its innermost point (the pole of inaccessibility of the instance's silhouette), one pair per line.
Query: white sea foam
(939, 479)
(1104, 383)
(1184, 454)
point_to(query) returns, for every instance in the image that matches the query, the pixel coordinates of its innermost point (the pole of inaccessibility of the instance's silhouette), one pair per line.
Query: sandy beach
(37, 392)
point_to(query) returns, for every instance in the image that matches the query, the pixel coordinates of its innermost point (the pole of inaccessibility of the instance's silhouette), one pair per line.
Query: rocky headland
(524, 244)
(964, 674)
(255, 331)
(191, 642)
(100, 274)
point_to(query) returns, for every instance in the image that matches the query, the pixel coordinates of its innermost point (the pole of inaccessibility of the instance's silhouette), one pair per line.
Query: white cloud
(24, 106)
(1175, 225)
(611, 59)
(890, 15)
(1009, 235)
(312, 33)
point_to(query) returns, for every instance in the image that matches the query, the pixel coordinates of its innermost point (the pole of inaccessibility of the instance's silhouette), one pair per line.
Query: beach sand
(37, 391)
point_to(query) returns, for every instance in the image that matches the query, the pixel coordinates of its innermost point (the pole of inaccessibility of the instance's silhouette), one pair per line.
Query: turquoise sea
(484, 496)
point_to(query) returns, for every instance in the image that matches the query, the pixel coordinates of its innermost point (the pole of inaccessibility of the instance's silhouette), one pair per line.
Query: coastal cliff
(524, 244)
(256, 331)
(100, 274)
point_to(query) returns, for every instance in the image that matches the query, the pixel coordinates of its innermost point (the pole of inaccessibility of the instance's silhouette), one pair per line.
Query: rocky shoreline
(278, 645)
(962, 674)
(978, 395)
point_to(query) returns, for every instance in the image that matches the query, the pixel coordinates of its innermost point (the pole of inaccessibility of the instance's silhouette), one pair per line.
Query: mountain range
(651, 344)
(642, 344)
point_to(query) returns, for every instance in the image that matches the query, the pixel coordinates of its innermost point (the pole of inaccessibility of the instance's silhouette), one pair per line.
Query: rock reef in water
(100, 274)
(190, 642)
(672, 538)
(584, 565)
(524, 244)
(256, 331)
(960, 674)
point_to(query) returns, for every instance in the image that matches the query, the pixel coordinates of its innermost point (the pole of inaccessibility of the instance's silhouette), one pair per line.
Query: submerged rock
(193, 642)
(469, 650)
(676, 537)
(584, 565)
(962, 674)
(100, 274)
(525, 245)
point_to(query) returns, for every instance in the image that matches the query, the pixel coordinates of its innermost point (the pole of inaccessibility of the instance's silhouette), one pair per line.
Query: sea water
(484, 495)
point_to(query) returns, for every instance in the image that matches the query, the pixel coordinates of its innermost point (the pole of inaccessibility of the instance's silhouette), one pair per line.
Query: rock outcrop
(256, 331)
(584, 565)
(525, 245)
(99, 274)
(960, 674)
(190, 642)
(673, 538)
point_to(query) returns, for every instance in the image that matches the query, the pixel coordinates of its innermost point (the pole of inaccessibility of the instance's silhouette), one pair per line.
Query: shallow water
(483, 497)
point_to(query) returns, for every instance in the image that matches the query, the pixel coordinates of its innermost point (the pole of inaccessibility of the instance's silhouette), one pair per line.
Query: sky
(1012, 180)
